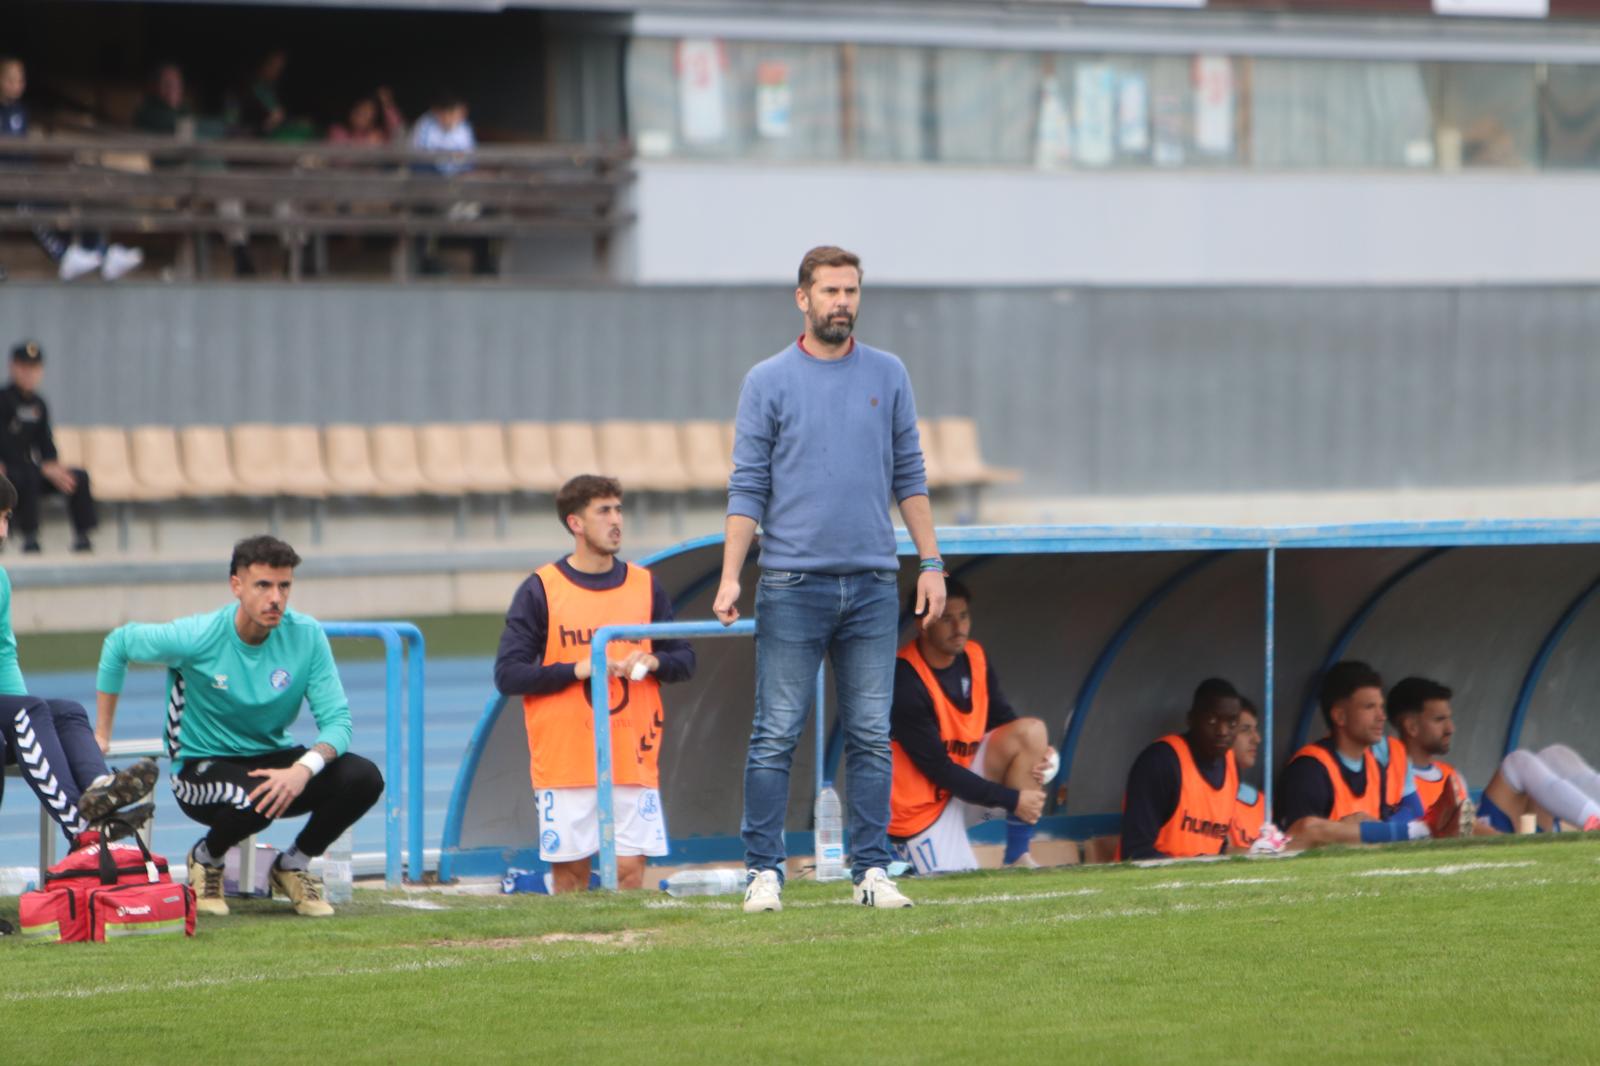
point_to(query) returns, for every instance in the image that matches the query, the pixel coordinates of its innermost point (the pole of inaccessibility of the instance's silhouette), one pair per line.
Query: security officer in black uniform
(28, 454)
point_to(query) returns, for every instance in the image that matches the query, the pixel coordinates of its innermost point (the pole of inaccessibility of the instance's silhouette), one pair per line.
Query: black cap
(27, 352)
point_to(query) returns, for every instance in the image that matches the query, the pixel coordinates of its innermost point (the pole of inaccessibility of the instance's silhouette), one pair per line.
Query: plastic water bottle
(703, 883)
(338, 870)
(829, 836)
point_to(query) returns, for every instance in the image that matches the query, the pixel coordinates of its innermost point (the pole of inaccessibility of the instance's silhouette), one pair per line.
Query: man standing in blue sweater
(825, 435)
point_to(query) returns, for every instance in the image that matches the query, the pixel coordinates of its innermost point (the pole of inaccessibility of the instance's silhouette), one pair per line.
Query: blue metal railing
(599, 699)
(401, 641)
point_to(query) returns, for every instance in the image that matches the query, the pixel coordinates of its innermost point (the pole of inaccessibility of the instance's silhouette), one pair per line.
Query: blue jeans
(854, 619)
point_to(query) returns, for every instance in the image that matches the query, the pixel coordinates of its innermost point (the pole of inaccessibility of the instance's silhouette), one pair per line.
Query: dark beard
(830, 331)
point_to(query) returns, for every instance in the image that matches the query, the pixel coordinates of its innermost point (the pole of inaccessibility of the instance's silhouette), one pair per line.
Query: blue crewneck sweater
(820, 448)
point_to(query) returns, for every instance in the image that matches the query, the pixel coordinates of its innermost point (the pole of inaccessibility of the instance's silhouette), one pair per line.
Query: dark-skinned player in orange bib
(1183, 788)
(544, 658)
(959, 751)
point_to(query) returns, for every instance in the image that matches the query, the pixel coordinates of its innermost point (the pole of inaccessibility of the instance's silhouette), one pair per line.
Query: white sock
(293, 859)
(1528, 774)
(203, 856)
(1569, 766)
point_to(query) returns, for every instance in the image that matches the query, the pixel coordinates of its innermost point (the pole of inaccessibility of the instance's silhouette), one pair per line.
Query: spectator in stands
(960, 751)
(51, 741)
(445, 130)
(1183, 788)
(236, 679)
(72, 257)
(256, 107)
(1337, 790)
(29, 458)
(544, 658)
(1249, 811)
(362, 126)
(165, 108)
(1555, 782)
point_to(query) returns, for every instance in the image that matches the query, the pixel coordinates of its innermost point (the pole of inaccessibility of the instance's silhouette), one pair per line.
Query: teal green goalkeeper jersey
(11, 683)
(229, 699)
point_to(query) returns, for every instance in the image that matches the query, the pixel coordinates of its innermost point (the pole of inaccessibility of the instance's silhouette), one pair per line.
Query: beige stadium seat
(532, 457)
(398, 463)
(573, 450)
(349, 454)
(644, 456)
(937, 478)
(706, 459)
(305, 474)
(69, 445)
(257, 458)
(442, 458)
(483, 446)
(727, 440)
(155, 463)
(107, 457)
(962, 459)
(206, 465)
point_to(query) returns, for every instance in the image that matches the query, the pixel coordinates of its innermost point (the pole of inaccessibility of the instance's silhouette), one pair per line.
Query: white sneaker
(876, 890)
(77, 261)
(1025, 861)
(763, 893)
(119, 260)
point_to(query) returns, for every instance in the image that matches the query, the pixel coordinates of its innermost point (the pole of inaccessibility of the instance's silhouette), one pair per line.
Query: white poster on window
(1053, 141)
(1094, 108)
(1520, 9)
(700, 103)
(1213, 105)
(1133, 114)
(774, 103)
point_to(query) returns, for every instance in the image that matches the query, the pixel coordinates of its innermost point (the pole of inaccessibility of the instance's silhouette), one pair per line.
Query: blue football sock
(1383, 832)
(1019, 835)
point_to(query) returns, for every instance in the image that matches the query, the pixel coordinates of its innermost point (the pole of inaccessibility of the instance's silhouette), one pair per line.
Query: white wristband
(313, 761)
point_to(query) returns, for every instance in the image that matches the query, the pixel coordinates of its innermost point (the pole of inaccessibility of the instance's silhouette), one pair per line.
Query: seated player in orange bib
(1182, 789)
(1353, 786)
(959, 751)
(1554, 785)
(544, 658)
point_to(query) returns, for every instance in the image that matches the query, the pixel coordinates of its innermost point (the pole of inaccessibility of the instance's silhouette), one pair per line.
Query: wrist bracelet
(932, 563)
(313, 761)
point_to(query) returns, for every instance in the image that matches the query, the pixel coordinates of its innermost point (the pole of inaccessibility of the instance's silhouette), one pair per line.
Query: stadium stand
(154, 465)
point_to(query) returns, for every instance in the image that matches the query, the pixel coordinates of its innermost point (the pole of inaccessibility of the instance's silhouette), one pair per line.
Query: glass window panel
(1485, 114)
(987, 106)
(1569, 111)
(1332, 114)
(889, 105)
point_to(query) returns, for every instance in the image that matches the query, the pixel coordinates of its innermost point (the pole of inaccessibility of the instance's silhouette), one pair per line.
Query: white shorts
(943, 847)
(569, 822)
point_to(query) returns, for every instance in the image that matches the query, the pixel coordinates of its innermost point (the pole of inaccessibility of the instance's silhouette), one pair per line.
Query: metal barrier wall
(402, 641)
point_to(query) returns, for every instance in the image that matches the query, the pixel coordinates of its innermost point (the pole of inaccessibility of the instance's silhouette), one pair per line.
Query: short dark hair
(954, 589)
(575, 495)
(826, 255)
(1409, 694)
(1341, 682)
(1247, 706)
(1211, 691)
(447, 101)
(8, 494)
(264, 549)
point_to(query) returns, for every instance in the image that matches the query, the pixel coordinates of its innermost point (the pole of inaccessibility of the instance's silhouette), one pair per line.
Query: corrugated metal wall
(1088, 390)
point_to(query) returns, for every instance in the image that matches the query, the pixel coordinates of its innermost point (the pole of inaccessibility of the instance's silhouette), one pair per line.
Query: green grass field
(1449, 953)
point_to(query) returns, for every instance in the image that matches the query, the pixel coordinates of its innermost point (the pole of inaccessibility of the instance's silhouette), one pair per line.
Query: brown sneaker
(207, 884)
(1452, 814)
(302, 888)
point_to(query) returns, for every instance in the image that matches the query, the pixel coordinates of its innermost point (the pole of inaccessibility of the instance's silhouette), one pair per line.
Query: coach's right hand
(726, 605)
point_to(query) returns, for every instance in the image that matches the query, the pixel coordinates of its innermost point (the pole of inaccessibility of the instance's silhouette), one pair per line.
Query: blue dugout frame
(402, 643)
(977, 542)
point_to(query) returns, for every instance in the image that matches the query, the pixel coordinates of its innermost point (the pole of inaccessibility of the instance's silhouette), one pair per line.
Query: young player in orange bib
(1182, 789)
(544, 658)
